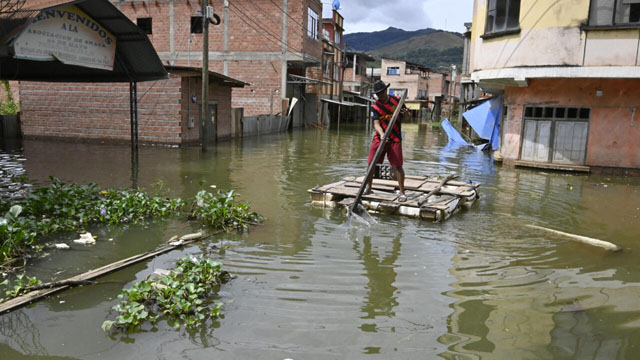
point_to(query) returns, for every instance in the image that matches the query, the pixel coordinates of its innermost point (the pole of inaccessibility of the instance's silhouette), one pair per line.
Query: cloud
(375, 15)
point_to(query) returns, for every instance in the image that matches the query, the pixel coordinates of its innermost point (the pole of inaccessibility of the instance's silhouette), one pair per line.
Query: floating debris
(85, 239)
(61, 246)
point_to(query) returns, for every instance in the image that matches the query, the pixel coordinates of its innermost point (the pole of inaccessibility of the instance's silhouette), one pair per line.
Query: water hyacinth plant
(183, 297)
(222, 211)
(68, 207)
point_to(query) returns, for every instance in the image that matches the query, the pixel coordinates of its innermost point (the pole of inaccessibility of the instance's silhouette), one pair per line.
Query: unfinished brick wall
(254, 43)
(101, 111)
(219, 94)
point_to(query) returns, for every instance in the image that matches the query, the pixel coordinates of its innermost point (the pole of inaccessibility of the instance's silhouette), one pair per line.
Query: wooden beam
(27, 298)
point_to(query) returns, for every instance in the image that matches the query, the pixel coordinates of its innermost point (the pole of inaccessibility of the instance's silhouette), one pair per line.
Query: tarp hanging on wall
(485, 120)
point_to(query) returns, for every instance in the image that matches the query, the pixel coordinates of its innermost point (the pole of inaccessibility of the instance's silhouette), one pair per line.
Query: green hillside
(436, 50)
(377, 39)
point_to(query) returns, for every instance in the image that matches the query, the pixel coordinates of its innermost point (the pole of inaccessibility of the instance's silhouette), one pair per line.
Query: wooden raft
(440, 205)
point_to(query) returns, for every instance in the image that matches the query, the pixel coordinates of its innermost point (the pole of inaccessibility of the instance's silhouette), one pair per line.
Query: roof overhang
(196, 71)
(343, 103)
(135, 58)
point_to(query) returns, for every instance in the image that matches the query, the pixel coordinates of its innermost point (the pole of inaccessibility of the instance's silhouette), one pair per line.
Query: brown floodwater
(481, 285)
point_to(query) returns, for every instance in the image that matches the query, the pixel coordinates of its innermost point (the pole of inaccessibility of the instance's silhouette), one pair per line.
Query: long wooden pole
(374, 161)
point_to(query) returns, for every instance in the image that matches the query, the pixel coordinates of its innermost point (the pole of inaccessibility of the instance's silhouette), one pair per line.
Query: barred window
(502, 15)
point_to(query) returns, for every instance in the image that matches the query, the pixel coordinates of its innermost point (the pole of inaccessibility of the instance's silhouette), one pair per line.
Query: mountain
(433, 48)
(374, 40)
(437, 50)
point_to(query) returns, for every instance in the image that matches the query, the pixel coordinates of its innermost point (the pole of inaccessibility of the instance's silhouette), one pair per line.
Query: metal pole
(204, 113)
(131, 116)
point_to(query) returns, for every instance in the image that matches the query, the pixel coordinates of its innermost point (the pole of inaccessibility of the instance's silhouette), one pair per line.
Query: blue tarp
(452, 133)
(485, 120)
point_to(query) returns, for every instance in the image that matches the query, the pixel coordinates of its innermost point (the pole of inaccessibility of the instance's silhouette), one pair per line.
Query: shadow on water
(310, 285)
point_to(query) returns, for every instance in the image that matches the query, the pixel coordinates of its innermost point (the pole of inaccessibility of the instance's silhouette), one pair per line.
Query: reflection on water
(481, 285)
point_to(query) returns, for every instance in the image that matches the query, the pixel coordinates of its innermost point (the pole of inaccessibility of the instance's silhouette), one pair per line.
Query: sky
(375, 15)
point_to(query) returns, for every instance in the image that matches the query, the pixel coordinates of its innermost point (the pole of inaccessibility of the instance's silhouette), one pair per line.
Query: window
(328, 64)
(397, 92)
(312, 25)
(502, 16)
(196, 24)
(555, 134)
(614, 12)
(144, 24)
(336, 72)
(337, 36)
(393, 70)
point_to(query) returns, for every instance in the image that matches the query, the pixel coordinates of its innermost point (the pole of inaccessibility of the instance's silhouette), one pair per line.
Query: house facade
(569, 75)
(402, 75)
(355, 72)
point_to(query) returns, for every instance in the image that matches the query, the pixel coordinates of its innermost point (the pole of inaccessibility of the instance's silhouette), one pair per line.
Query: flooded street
(481, 285)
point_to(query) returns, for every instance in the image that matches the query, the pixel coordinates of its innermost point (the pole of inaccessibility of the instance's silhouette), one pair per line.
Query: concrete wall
(412, 82)
(614, 129)
(551, 35)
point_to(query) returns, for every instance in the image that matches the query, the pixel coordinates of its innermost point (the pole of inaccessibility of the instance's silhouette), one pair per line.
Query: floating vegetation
(222, 211)
(63, 207)
(18, 287)
(183, 296)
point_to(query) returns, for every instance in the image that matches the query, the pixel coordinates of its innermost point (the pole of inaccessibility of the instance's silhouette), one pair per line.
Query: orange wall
(614, 136)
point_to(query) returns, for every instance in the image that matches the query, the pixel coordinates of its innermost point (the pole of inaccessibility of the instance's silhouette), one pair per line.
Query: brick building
(355, 72)
(168, 109)
(261, 42)
(264, 43)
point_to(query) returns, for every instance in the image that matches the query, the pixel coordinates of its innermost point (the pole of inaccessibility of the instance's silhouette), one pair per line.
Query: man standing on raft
(383, 110)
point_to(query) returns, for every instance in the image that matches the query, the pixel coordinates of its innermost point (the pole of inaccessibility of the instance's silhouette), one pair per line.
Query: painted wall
(412, 82)
(551, 36)
(614, 129)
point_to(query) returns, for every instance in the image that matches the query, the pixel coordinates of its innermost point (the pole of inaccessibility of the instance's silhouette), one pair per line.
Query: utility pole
(204, 113)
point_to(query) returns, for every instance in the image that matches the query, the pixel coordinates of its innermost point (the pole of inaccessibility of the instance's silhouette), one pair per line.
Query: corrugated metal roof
(135, 59)
(196, 71)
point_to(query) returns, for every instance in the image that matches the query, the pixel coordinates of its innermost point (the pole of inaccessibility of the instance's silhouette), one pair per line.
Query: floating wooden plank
(329, 186)
(374, 186)
(409, 184)
(453, 182)
(19, 301)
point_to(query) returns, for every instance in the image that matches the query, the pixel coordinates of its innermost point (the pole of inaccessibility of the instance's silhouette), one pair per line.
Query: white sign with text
(69, 35)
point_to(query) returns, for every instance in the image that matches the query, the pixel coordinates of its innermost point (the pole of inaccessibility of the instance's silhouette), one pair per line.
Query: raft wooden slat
(409, 184)
(445, 200)
(19, 301)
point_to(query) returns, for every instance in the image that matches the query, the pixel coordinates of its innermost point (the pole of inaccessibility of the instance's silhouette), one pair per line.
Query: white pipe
(583, 239)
